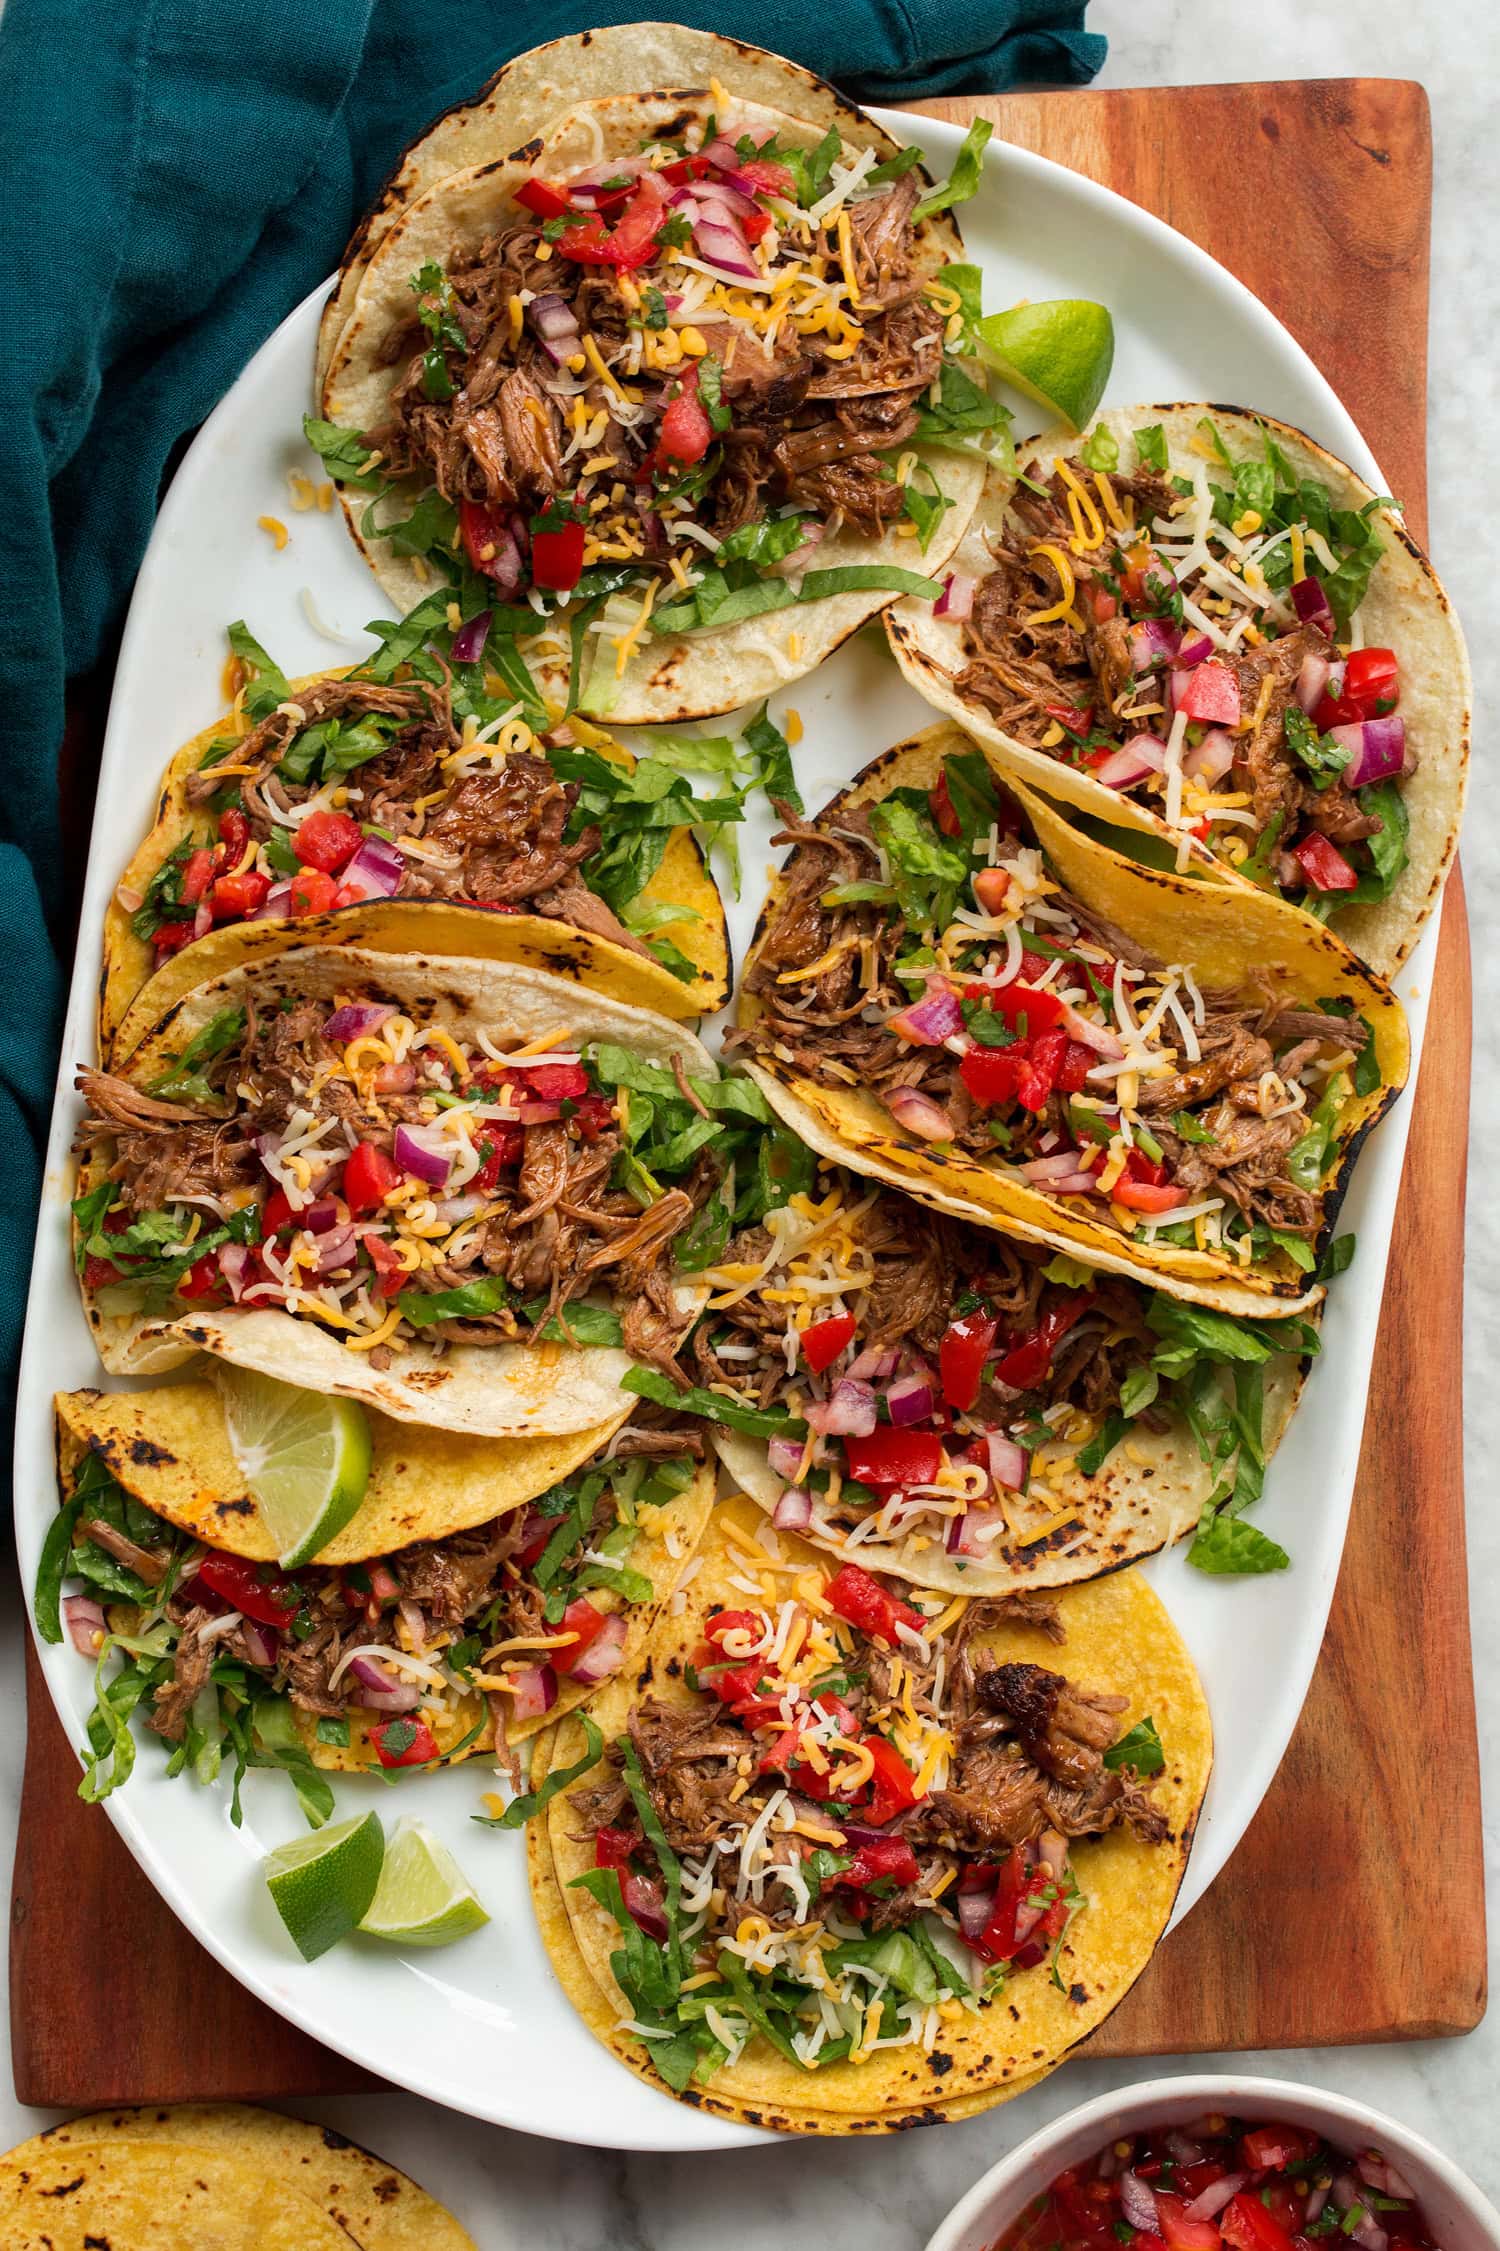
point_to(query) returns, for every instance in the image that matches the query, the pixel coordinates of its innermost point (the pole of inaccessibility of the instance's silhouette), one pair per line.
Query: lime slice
(322, 1884)
(424, 1898)
(1059, 353)
(305, 1458)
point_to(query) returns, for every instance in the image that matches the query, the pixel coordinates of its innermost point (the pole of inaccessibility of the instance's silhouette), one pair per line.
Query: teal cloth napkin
(174, 176)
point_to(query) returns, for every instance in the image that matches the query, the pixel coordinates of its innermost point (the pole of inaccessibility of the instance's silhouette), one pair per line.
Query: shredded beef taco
(458, 1642)
(846, 1853)
(683, 364)
(975, 1412)
(327, 806)
(420, 1183)
(1196, 624)
(957, 992)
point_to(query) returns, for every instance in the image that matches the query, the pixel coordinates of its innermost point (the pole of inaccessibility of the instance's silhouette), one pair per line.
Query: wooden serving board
(1339, 1919)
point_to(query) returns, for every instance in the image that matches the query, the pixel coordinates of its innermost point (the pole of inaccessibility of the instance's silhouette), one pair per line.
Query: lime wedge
(305, 1458)
(1059, 353)
(322, 1884)
(423, 1898)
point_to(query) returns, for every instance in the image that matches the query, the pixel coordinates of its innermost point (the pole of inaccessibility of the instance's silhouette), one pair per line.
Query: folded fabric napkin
(177, 174)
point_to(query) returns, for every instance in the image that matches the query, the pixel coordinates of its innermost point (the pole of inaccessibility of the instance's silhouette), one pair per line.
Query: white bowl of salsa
(1333, 2175)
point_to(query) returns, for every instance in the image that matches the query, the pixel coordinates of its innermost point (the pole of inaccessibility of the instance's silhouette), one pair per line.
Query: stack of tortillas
(218, 2177)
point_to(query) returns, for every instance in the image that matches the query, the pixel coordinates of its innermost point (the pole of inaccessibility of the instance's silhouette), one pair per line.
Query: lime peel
(1059, 353)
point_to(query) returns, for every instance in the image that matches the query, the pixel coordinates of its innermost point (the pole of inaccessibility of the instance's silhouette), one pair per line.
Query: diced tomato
(767, 178)
(542, 198)
(271, 1601)
(1026, 1360)
(233, 897)
(404, 1742)
(536, 1532)
(234, 834)
(326, 840)
(1133, 577)
(172, 937)
(821, 1344)
(201, 1281)
(99, 1273)
(738, 1686)
(1030, 1008)
(390, 1274)
(369, 1176)
(594, 1115)
(1077, 718)
(557, 557)
(276, 1213)
(997, 1942)
(990, 887)
(1146, 1196)
(195, 875)
(486, 537)
(734, 1621)
(554, 1082)
(632, 240)
(685, 168)
(1275, 2146)
(1181, 2233)
(961, 1357)
(1023, 1073)
(1211, 693)
(1323, 864)
(1246, 2224)
(781, 1753)
(1372, 680)
(894, 1457)
(613, 1848)
(1192, 2180)
(1336, 711)
(864, 1601)
(881, 1857)
(1286, 2207)
(1102, 604)
(893, 1787)
(686, 432)
(583, 1621)
(1073, 1070)
(313, 892)
(940, 805)
(1138, 1166)
(504, 1146)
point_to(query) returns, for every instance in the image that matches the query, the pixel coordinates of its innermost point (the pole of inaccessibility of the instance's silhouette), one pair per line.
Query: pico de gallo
(653, 391)
(851, 1830)
(949, 1387)
(1223, 2184)
(364, 1167)
(408, 1659)
(921, 949)
(1188, 632)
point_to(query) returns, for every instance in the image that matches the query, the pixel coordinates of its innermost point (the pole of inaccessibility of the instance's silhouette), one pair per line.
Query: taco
(1197, 625)
(682, 363)
(338, 803)
(977, 1413)
(129, 2197)
(844, 1853)
(409, 1181)
(957, 992)
(461, 1640)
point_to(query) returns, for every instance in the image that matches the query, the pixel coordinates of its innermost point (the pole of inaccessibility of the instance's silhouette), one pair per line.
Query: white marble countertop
(511, 2191)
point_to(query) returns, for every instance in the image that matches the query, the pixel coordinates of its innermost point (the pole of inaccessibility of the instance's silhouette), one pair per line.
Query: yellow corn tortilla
(515, 107)
(1120, 1639)
(1225, 933)
(1405, 608)
(510, 1390)
(692, 674)
(133, 996)
(150, 2196)
(375, 2203)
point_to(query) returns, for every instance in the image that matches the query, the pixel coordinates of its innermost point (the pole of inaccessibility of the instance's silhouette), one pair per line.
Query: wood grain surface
(1340, 1918)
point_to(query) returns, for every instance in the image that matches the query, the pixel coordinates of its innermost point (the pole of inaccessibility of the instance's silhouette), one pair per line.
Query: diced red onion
(784, 1456)
(598, 176)
(418, 1156)
(849, 1413)
(1382, 2175)
(812, 531)
(273, 907)
(920, 1115)
(1181, 2148)
(84, 1620)
(414, 1620)
(1316, 2202)
(1008, 1462)
(535, 1692)
(469, 640)
(1211, 760)
(1345, 2191)
(1377, 747)
(1311, 603)
(643, 1902)
(556, 326)
(932, 1019)
(1369, 2234)
(1132, 762)
(375, 872)
(876, 1364)
(379, 1692)
(356, 1020)
(335, 1250)
(957, 597)
(1088, 1034)
(1312, 679)
(320, 1216)
(1137, 2204)
(1042, 1169)
(1216, 2196)
(1194, 652)
(605, 1653)
(1154, 641)
(233, 1258)
(974, 1911)
(725, 158)
(793, 1512)
(721, 241)
(910, 1400)
(960, 1540)
(203, 919)
(1158, 577)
